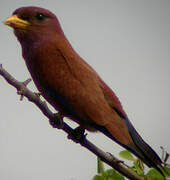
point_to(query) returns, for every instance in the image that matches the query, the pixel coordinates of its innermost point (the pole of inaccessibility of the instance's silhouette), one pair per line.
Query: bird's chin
(20, 33)
(19, 30)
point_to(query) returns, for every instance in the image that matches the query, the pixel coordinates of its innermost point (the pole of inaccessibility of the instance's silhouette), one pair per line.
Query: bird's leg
(77, 135)
(57, 121)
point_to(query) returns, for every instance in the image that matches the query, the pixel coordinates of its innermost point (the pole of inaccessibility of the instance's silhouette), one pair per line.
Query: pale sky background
(128, 44)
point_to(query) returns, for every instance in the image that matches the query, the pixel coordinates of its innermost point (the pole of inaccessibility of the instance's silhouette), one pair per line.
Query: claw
(77, 134)
(57, 121)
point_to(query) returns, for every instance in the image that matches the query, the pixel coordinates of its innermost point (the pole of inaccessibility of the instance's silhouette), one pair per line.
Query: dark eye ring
(40, 17)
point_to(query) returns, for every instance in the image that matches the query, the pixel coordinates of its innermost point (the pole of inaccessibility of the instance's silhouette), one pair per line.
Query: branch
(34, 98)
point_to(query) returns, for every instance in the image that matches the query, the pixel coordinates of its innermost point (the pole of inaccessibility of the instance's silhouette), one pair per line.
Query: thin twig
(106, 157)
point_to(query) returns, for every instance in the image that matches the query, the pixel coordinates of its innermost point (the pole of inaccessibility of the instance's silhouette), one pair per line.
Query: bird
(71, 85)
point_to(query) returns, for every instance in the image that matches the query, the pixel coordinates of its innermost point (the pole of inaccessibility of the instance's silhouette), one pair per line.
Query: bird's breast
(55, 81)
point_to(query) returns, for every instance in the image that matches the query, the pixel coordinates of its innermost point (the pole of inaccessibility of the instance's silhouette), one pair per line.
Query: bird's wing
(138, 146)
(105, 109)
(91, 97)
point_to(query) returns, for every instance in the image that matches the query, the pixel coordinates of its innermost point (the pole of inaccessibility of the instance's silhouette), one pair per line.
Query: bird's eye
(40, 17)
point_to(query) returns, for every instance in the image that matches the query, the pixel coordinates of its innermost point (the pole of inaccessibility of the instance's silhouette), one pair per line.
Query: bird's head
(33, 23)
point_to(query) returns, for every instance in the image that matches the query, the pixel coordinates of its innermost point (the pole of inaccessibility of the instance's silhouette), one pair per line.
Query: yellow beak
(16, 23)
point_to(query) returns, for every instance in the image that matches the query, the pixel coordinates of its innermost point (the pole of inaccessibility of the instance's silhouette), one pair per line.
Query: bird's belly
(61, 104)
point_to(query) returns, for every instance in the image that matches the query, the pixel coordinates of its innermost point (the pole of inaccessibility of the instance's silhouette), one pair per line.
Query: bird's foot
(57, 121)
(77, 135)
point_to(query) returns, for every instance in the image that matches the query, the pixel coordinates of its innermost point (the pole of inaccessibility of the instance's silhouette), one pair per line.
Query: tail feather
(138, 147)
(143, 150)
(142, 146)
(149, 156)
(151, 159)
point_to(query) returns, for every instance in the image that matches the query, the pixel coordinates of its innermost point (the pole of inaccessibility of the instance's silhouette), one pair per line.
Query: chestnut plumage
(70, 85)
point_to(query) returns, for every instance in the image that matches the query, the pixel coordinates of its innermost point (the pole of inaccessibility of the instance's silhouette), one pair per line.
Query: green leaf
(104, 175)
(97, 177)
(154, 175)
(114, 175)
(139, 167)
(167, 170)
(126, 155)
(100, 166)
